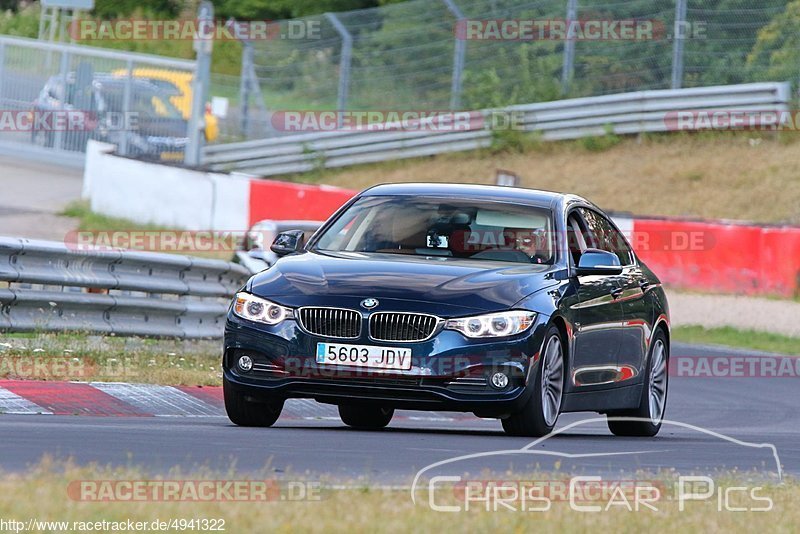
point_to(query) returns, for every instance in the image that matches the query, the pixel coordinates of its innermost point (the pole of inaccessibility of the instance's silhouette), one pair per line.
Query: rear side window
(576, 237)
(606, 237)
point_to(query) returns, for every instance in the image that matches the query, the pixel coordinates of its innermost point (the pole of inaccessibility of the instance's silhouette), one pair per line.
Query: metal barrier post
(568, 66)
(58, 138)
(459, 51)
(679, 35)
(2, 67)
(126, 107)
(202, 73)
(344, 62)
(244, 85)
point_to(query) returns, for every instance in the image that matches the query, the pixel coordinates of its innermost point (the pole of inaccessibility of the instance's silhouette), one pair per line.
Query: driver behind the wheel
(532, 242)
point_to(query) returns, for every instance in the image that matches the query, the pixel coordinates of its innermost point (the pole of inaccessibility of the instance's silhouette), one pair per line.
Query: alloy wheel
(552, 380)
(658, 382)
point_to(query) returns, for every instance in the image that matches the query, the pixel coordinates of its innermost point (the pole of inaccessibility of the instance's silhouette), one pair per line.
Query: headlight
(260, 310)
(494, 324)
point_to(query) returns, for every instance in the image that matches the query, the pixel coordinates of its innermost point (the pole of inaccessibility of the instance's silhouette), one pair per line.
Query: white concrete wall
(148, 192)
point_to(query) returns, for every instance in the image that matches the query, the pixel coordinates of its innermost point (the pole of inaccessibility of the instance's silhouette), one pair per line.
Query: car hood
(452, 286)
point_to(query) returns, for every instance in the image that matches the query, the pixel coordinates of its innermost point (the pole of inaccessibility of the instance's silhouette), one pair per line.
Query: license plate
(172, 156)
(364, 356)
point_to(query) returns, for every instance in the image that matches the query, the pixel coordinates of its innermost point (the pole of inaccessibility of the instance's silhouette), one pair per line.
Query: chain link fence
(473, 54)
(55, 96)
(742, 42)
(419, 55)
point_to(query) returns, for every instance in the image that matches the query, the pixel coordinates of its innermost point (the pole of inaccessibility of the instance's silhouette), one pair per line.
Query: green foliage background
(403, 53)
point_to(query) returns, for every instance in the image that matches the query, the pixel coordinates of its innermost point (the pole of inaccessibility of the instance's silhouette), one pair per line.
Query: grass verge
(733, 337)
(165, 239)
(52, 492)
(91, 221)
(85, 358)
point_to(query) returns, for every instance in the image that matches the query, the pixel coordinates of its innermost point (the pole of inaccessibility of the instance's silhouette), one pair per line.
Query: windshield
(458, 228)
(148, 103)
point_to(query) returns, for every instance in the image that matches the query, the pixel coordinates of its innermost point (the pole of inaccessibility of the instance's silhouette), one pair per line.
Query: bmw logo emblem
(369, 303)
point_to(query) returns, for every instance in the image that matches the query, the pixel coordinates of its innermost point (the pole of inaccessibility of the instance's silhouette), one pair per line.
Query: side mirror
(288, 243)
(598, 262)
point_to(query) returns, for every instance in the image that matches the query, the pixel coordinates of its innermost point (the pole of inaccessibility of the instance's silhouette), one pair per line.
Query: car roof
(110, 80)
(489, 192)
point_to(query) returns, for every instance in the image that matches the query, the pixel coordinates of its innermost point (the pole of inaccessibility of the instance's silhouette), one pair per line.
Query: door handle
(644, 284)
(616, 293)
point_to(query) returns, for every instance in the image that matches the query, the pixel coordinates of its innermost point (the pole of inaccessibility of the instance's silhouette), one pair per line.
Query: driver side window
(606, 237)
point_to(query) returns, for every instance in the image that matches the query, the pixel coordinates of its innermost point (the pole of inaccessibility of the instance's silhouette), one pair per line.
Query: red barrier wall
(715, 256)
(780, 254)
(270, 199)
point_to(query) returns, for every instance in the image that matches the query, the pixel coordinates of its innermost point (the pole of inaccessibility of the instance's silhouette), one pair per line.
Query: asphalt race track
(752, 410)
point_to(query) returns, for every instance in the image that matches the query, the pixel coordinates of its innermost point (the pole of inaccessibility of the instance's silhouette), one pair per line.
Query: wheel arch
(662, 323)
(559, 322)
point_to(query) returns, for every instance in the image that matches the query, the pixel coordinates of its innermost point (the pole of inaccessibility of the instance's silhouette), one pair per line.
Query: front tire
(244, 411)
(650, 412)
(364, 416)
(539, 415)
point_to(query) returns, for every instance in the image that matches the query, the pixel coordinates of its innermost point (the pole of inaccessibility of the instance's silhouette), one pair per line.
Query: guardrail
(626, 113)
(53, 287)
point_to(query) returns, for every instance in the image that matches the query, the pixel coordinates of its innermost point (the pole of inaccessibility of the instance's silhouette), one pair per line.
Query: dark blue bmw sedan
(505, 302)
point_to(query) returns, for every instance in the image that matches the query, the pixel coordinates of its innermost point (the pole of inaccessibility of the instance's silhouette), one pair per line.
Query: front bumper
(449, 371)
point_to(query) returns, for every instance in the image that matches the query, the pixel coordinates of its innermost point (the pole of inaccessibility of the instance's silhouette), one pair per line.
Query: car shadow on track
(489, 433)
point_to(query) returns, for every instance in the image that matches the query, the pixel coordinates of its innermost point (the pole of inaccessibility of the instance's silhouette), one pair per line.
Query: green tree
(111, 9)
(776, 53)
(719, 55)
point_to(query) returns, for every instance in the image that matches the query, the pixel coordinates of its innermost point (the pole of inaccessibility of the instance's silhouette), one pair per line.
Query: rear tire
(539, 415)
(244, 411)
(653, 403)
(365, 416)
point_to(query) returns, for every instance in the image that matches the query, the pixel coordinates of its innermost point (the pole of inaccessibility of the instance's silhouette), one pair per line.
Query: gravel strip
(745, 313)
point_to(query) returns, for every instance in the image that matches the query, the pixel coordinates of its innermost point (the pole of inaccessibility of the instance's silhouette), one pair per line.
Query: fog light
(245, 363)
(499, 380)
